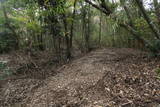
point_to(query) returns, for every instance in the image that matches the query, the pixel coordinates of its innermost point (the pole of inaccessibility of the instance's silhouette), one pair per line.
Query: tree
(103, 7)
(100, 28)
(11, 28)
(72, 23)
(157, 9)
(146, 17)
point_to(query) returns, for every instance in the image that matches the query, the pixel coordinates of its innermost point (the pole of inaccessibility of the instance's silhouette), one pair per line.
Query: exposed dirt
(103, 78)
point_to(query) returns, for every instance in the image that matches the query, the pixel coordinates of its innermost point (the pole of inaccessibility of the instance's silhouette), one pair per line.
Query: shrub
(155, 49)
(7, 42)
(4, 70)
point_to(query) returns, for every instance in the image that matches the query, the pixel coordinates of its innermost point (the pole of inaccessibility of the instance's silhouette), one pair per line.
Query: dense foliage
(64, 25)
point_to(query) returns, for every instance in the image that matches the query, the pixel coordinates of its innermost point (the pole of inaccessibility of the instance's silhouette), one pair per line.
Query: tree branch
(105, 11)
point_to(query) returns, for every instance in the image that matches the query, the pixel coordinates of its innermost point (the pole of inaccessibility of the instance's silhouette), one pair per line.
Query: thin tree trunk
(87, 36)
(68, 52)
(100, 28)
(84, 27)
(40, 42)
(72, 24)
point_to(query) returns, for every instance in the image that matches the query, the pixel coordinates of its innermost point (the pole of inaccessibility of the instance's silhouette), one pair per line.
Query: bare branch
(104, 10)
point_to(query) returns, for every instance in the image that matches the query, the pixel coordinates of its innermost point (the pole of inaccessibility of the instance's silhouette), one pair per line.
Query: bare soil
(103, 78)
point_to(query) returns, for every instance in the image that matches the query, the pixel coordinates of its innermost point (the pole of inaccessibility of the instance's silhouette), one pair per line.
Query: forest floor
(103, 78)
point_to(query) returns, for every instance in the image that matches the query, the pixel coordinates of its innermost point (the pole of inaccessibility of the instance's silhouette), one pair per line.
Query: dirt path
(103, 78)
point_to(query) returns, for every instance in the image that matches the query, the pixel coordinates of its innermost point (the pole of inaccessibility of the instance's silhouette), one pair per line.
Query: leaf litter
(103, 78)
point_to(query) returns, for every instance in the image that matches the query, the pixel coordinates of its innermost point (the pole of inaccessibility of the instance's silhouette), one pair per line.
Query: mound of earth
(27, 73)
(103, 78)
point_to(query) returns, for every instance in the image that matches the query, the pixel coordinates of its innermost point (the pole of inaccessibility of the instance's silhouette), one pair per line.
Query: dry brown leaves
(103, 78)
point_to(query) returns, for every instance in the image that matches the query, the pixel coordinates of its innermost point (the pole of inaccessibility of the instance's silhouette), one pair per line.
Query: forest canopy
(62, 25)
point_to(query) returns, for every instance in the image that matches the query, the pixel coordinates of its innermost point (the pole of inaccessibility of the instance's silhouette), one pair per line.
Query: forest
(79, 53)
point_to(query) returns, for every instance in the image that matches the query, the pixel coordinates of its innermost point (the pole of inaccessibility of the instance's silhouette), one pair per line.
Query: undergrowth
(4, 70)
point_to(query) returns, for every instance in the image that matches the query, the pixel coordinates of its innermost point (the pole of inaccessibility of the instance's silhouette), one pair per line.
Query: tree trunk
(68, 52)
(135, 34)
(100, 28)
(157, 9)
(149, 21)
(84, 27)
(87, 35)
(40, 42)
(72, 24)
(131, 28)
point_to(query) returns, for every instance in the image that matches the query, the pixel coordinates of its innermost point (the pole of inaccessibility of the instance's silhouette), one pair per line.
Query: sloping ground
(103, 78)
(27, 74)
